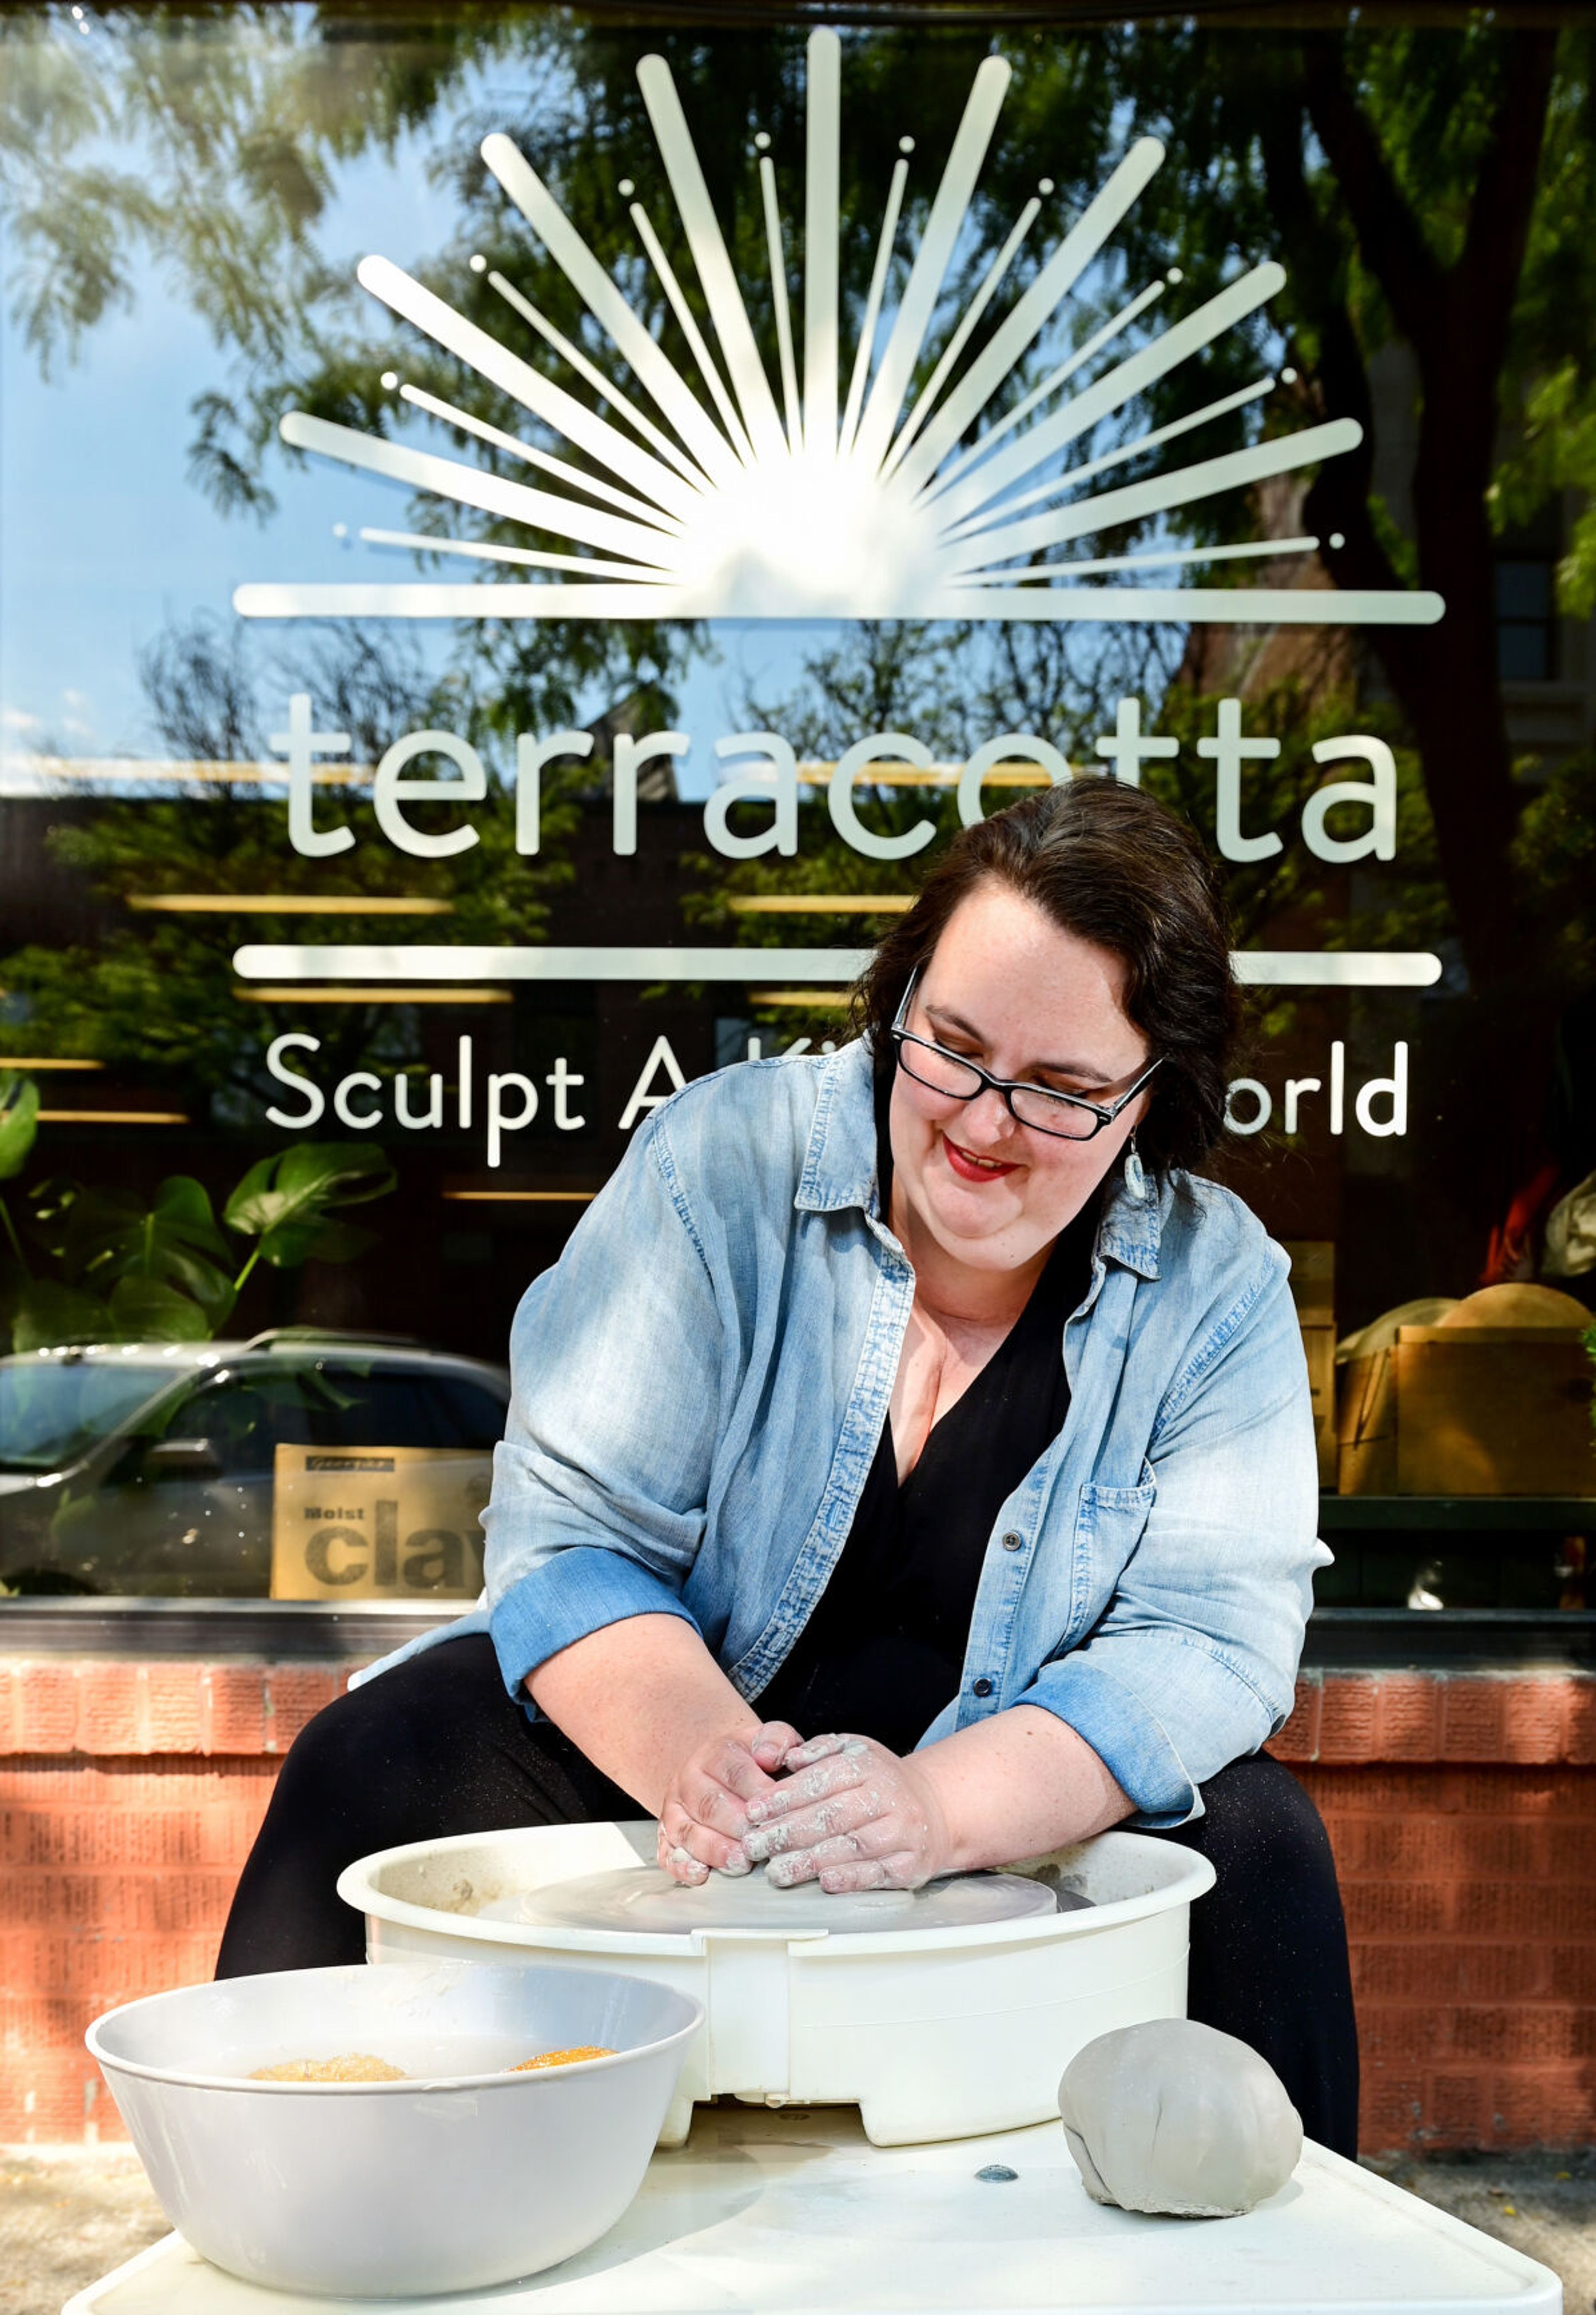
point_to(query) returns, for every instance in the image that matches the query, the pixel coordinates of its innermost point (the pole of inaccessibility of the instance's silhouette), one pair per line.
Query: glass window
(1526, 619)
(198, 1493)
(52, 1408)
(486, 638)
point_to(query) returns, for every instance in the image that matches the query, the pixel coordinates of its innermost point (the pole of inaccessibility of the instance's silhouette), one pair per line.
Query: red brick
(294, 1694)
(1456, 1971)
(235, 1720)
(47, 1701)
(1543, 2105)
(1472, 1719)
(1456, 2109)
(1488, 1847)
(171, 1707)
(1397, 1970)
(1505, 1973)
(110, 1708)
(1299, 1740)
(1362, 1790)
(1347, 1718)
(1448, 1847)
(54, 2098)
(1535, 1716)
(1526, 2033)
(1522, 1791)
(1441, 1847)
(1495, 1909)
(1383, 1909)
(11, 1707)
(1391, 2109)
(1571, 1853)
(53, 1899)
(1407, 2034)
(1581, 1723)
(1408, 1725)
(1571, 1969)
(1372, 1845)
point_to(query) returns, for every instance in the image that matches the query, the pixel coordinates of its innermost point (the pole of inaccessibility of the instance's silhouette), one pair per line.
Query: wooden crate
(1492, 1411)
(1366, 1425)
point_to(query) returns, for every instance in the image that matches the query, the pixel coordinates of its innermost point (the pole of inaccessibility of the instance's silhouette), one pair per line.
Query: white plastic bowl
(463, 2177)
(932, 2034)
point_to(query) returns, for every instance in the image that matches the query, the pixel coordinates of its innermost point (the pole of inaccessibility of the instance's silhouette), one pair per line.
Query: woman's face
(1005, 987)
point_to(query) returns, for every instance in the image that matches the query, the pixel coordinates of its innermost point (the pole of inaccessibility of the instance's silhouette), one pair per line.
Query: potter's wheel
(646, 1902)
(939, 2012)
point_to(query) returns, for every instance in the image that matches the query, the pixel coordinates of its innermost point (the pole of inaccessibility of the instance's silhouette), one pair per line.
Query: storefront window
(524, 531)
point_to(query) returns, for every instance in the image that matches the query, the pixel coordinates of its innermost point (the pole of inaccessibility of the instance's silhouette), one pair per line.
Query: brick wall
(1462, 1810)
(129, 1794)
(1462, 1813)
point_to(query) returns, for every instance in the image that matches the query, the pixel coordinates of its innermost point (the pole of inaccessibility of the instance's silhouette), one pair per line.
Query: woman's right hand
(704, 1814)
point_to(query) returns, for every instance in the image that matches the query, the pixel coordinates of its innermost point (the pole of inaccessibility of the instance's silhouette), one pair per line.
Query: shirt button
(983, 1688)
(1013, 1542)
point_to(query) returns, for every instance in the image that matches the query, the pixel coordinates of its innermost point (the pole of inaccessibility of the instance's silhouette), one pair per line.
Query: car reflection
(148, 1471)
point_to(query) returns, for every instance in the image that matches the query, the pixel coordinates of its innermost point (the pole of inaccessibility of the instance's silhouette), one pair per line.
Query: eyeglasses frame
(1008, 1087)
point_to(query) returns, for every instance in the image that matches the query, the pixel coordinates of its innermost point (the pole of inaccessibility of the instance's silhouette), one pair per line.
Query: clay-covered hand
(705, 1811)
(851, 1815)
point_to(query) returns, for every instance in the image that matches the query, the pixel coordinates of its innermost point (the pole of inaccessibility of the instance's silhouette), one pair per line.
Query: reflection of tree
(1429, 188)
(1556, 852)
(157, 992)
(952, 688)
(896, 675)
(1436, 159)
(204, 144)
(202, 691)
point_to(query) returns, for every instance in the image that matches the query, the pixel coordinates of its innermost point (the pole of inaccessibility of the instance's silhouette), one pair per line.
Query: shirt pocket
(1109, 1520)
(1109, 1523)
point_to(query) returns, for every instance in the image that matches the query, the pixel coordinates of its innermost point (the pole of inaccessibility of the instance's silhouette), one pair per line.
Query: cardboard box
(378, 1522)
(1313, 1290)
(1492, 1411)
(1366, 1425)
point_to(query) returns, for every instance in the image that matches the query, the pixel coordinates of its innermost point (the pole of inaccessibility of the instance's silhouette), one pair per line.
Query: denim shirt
(701, 1379)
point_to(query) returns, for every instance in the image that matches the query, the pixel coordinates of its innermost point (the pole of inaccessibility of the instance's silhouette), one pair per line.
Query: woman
(911, 1466)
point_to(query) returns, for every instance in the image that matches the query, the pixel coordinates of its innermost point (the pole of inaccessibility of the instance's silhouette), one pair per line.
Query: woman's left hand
(851, 1815)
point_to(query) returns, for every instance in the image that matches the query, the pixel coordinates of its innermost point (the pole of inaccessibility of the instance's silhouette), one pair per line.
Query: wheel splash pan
(932, 2033)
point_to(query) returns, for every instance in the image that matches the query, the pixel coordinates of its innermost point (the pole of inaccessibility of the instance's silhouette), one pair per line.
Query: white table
(795, 2212)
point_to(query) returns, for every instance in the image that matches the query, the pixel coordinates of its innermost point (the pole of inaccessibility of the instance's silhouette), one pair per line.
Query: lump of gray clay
(1176, 2117)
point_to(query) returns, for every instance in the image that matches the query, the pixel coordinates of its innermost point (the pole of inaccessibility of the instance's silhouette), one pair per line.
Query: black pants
(436, 1747)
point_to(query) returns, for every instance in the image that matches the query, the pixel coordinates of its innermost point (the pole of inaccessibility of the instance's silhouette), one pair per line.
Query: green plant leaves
(287, 1200)
(18, 1122)
(49, 1317)
(160, 1271)
(147, 1310)
(108, 1237)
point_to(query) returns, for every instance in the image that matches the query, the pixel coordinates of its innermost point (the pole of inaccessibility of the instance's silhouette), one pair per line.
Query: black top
(883, 1650)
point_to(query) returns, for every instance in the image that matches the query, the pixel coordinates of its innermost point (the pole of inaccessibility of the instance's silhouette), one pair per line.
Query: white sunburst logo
(813, 498)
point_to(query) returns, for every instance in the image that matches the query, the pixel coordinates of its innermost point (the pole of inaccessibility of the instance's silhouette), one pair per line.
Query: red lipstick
(968, 1170)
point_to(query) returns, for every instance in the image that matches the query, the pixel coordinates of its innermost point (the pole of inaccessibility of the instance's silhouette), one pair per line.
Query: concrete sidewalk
(68, 2216)
(1543, 2204)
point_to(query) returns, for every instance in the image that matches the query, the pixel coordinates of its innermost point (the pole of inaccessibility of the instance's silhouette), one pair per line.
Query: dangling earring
(1135, 1173)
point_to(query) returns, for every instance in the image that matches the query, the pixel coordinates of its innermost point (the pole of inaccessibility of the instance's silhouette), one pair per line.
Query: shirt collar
(839, 1167)
(839, 1163)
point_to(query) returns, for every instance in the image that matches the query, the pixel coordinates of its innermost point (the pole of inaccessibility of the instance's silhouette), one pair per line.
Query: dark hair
(1114, 867)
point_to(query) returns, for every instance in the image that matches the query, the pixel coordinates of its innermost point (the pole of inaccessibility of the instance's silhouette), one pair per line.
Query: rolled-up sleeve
(600, 1482)
(1193, 1662)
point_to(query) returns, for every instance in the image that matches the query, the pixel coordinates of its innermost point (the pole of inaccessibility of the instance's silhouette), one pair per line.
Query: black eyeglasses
(1068, 1116)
